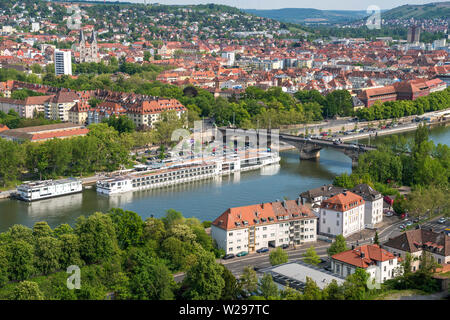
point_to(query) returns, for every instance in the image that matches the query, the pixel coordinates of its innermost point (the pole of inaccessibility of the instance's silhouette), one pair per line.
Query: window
(230, 234)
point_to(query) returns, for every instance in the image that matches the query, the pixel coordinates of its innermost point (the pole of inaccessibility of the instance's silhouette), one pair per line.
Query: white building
(35, 27)
(273, 224)
(63, 62)
(373, 204)
(342, 214)
(229, 55)
(379, 263)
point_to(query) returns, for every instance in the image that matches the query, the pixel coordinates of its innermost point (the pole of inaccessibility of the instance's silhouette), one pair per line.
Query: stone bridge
(309, 148)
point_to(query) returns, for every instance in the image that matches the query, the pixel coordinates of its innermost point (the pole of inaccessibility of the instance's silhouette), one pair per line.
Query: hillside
(426, 11)
(303, 15)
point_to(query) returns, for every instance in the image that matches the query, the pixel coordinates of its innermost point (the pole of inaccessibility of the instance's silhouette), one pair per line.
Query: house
(252, 227)
(415, 242)
(379, 263)
(317, 195)
(342, 214)
(373, 206)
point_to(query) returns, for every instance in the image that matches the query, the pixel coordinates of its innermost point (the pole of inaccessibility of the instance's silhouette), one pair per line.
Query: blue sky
(317, 4)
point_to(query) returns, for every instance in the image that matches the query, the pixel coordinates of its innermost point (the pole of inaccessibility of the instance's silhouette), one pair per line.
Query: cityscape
(212, 153)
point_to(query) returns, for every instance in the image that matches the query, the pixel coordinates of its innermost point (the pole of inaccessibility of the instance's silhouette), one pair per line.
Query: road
(261, 260)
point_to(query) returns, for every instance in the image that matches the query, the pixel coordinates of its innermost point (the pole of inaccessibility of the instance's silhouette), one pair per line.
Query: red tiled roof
(343, 201)
(3, 127)
(364, 256)
(261, 214)
(59, 134)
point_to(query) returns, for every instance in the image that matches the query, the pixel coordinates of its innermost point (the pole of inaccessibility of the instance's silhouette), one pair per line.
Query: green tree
(204, 280)
(375, 239)
(248, 281)
(42, 229)
(97, 237)
(278, 256)
(128, 225)
(47, 254)
(231, 288)
(268, 288)
(311, 290)
(27, 290)
(20, 260)
(339, 245)
(311, 257)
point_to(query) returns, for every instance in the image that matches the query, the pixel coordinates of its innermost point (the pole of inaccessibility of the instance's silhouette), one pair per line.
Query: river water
(204, 200)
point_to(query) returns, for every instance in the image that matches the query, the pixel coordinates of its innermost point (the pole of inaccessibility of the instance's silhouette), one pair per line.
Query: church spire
(82, 35)
(94, 37)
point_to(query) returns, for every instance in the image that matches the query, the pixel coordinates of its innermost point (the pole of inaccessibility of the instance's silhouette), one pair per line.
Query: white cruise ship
(185, 171)
(38, 190)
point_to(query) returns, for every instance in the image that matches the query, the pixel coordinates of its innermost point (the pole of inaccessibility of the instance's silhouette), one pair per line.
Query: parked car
(228, 256)
(402, 227)
(242, 253)
(416, 220)
(389, 214)
(262, 250)
(409, 223)
(442, 220)
(285, 246)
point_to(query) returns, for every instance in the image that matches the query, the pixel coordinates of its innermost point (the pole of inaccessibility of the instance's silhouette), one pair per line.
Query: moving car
(242, 253)
(442, 220)
(262, 250)
(228, 256)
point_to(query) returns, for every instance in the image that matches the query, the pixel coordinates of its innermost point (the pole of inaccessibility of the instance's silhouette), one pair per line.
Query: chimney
(353, 247)
(362, 255)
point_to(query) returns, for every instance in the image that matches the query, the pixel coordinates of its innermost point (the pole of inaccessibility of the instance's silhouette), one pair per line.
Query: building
(27, 108)
(294, 275)
(342, 214)
(415, 242)
(88, 48)
(379, 263)
(105, 110)
(79, 113)
(63, 62)
(146, 113)
(59, 106)
(273, 224)
(373, 204)
(45, 132)
(413, 34)
(317, 195)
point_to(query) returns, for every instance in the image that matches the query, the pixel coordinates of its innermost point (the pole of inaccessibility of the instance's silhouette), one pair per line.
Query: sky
(317, 4)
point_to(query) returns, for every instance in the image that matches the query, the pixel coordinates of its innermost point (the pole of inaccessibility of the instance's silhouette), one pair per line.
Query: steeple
(94, 37)
(82, 35)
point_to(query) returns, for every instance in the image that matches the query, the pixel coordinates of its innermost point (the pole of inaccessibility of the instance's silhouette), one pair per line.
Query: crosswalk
(435, 226)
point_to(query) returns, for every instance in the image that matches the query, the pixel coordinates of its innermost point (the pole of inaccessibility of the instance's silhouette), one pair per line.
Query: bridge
(309, 148)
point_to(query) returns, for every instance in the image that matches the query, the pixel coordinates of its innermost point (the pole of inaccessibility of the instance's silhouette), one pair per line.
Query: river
(204, 200)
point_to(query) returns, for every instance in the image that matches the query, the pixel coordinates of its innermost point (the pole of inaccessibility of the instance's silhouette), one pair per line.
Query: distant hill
(302, 15)
(425, 11)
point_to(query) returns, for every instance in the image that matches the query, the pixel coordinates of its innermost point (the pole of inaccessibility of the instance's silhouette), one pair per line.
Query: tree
(339, 245)
(97, 237)
(278, 256)
(355, 286)
(42, 229)
(231, 288)
(70, 250)
(267, 287)
(311, 257)
(47, 254)
(375, 239)
(204, 280)
(311, 290)
(27, 290)
(121, 124)
(128, 225)
(334, 291)
(248, 281)
(172, 217)
(20, 260)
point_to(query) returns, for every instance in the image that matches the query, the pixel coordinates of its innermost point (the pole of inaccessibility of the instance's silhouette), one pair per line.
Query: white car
(442, 220)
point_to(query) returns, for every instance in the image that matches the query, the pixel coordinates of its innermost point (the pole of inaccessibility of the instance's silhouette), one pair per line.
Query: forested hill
(426, 11)
(306, 15)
